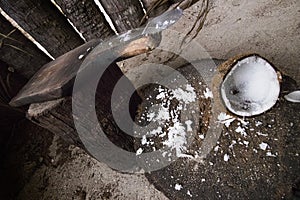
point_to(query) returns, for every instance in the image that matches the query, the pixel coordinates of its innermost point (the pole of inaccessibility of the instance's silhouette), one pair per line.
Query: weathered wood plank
(87, 18)
(18, 51)
(125, 14)
(56, 78)
(43, 21)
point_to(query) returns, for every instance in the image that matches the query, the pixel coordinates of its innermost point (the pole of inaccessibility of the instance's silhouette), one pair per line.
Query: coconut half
(251, 87)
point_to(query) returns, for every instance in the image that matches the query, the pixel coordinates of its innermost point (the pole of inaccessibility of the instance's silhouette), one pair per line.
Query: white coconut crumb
(263, 146)
(261, 134)
(80, 57)
(150, 116)
(255, 150)
(258, 123)
(187, 96)
(208, 93)
(241, 130)
(156, 131)
(176, 138)
(203, 180)
(216, 148)
(188, 125)
(232, 144)
(178, 186)
(225, 119)
(139, 151)
(144, 140)
(246, 143)
(189, 193)
(201, 136)
(226, 157)
(245, 123)
(269, 154)
(211, 163)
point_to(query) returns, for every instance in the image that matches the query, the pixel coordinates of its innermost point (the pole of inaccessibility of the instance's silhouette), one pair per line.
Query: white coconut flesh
(251, 87)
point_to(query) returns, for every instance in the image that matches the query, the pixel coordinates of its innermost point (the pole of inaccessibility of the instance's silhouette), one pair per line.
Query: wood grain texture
(125, 14)
(54, 79)
(87, 18)
(43, 21)
(18, 51)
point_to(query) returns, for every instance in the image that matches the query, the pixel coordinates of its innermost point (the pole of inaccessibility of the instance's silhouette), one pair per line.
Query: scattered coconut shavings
(201, 136)
(139, 151)
(178, 186)
(241, 130)
(176, 138)
(261, 134)
(208, 93)
(225, 119)
(258, 123)
(216, 148)
(144, 140)
(156, 131)
(226, 157)
(187, 96)
(246, 143)
(263, 146)
(169, 117)
(189, 193)
(232, 144)
(269, 154)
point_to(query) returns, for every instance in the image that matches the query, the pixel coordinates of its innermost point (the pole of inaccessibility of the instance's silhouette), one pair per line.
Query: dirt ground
(45, 167)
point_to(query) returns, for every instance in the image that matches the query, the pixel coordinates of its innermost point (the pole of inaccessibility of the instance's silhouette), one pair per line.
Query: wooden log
(18, 51)
(87, 18)
(125, 14)
(43, 21)
(56, 115)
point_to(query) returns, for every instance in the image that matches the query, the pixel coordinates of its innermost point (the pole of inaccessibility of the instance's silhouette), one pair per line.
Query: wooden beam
(125, 14)
(43, 21)
(87, 18)
(18, 51)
